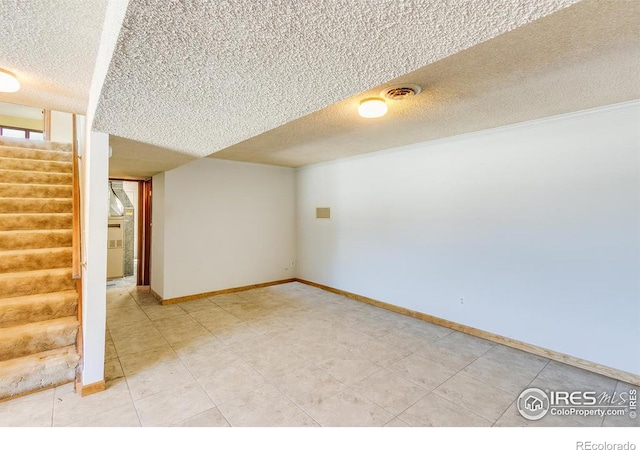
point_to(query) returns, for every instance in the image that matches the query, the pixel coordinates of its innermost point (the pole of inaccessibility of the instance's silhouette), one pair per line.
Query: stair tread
(35, 172)
(42, 297)
(58, 230)
(34, 251)
(35, 185)
(41, 370)
(69, 320)
(35, 273)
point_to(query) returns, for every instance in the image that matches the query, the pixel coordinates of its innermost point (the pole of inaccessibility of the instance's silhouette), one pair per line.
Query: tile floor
(292, 355)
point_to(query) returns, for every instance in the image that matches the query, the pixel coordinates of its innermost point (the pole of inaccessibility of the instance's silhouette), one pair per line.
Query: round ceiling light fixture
(372, 107)
(8, 81)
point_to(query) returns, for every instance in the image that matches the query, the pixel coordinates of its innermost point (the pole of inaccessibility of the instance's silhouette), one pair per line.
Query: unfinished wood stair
(38, 298)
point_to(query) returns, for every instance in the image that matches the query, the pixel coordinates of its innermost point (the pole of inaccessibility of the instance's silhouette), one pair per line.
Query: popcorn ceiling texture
(585, 56)
(199, 76)
(51, 46)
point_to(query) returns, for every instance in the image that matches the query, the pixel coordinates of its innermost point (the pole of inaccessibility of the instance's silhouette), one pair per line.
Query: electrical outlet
(462, 301)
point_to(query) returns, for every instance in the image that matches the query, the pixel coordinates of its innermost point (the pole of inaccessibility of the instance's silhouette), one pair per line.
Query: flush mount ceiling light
(8, 81)
(372, 107)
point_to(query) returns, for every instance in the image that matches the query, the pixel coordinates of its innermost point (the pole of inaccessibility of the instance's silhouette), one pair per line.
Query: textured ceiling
(51, 46)
(136, 160)
(584, 56)
(199, 76)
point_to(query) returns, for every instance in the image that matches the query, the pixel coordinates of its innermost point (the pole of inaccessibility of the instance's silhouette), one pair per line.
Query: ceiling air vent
(401, 92)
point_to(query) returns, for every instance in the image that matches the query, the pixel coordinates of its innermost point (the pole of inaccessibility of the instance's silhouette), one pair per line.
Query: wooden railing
(77, 251)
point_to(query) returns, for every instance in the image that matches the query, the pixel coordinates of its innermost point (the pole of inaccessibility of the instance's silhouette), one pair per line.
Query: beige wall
(21, 122)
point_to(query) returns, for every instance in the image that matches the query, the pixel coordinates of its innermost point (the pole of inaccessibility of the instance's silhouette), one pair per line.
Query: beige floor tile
(173, 405)
(209, 418)
(133, 363)
(180, 328)
(509, 373)
(465, 344)
(558, 376)
(64, 388)
(121, 416)
(110, 350)
(348, 367)
(424, 373)
(456, 361)
(301, 420)
(235, 333)
(396, 423)
(231, 381)
(145, 300)
(119, 300)
(159, 378)
(134, 339)
(215, 318)
(406, 340)
(157, 311)
(435, 411)
(429, 330)
(126, 317)
(348, 409)
(195, 306)
(33, 410)
(202, 363)
(476, 396)
(266, 406)
(393, 393)
(381, 353)
(69, 406)
(308, 386)
(112, 369)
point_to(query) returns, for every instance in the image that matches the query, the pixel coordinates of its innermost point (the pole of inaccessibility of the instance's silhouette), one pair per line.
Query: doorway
(129, 232)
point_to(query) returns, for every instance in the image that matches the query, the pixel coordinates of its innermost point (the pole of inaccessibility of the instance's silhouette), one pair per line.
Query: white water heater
(115, 248)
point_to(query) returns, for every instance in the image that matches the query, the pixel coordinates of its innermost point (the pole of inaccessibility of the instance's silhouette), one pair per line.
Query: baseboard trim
(530, 348)
(172, 301)
(92, 388)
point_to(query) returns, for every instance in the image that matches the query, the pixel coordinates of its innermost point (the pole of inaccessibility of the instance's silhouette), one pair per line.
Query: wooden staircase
(38, 298)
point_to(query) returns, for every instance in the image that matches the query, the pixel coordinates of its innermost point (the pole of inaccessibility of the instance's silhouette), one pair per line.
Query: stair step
(37, 308)
(17, 190)
(36, 205)
(33, 153)
(30, 373)
(52, 221)
(31, 177)
(37, 145)
(35, 259)
(35, 282)
(35, 165)
(37, 337)
(26, 239)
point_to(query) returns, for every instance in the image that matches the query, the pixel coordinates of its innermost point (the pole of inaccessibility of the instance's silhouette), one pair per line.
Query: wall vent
(401, 92)
(323, 213)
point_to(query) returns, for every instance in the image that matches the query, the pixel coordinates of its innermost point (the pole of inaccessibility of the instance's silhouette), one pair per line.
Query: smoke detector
(401, 92)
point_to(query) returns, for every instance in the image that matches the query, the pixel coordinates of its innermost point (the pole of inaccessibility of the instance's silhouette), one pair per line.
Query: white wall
(94, 197)
(535, 226)
(157, 268)
(61, 127)
(226, 224)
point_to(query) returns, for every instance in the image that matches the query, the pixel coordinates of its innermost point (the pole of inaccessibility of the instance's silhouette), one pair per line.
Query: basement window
(22, 133)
